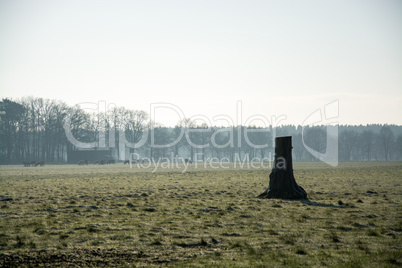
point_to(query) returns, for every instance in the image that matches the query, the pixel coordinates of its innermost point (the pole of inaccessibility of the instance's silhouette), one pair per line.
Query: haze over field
(276, 57)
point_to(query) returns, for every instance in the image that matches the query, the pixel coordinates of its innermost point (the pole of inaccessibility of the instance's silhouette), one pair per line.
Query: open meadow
(114, 215)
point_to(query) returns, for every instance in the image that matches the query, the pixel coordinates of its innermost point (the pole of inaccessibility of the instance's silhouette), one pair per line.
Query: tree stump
(282, 183)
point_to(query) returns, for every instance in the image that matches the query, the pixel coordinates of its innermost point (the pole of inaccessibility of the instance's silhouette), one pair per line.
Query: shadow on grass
(318, 204)
(307, 202)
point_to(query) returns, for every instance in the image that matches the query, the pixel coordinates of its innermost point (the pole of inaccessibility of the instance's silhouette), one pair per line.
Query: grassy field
(120, 216)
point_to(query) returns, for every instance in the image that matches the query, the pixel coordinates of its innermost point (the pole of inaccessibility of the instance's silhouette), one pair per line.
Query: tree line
(43, 129)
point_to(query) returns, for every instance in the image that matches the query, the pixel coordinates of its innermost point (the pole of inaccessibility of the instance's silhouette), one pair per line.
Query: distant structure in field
(73, 157)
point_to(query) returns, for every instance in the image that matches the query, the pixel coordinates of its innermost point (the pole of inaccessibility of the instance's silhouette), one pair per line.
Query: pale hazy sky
(276, 57)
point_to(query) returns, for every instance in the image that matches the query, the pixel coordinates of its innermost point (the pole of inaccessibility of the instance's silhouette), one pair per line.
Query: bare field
(120, 216)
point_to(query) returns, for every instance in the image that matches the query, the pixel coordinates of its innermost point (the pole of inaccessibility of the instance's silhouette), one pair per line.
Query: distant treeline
(42, 129)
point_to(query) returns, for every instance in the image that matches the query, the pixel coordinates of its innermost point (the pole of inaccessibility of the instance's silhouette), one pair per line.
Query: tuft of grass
(20, 242)
(203, 242)
(301, 251)
(237, 245)
(156, 242)
(289, 239)
(372, 232)
(3, 240)
(334, 237)
(92, 228)
(362, 246)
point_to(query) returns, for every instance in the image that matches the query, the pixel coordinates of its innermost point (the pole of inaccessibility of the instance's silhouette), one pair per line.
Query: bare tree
(204, 139)
(347, 144)
(256, 140)
(298, 148)
(161, 140)
(10, 117)
(80, 126)
(399, 146)
(387, 140)
(134, 126)
(179, 141)
(315, 138)
(366, 141)
(190, 135)
(115, 118)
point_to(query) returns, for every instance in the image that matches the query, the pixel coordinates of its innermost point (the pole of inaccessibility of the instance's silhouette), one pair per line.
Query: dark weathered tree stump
(282, 183)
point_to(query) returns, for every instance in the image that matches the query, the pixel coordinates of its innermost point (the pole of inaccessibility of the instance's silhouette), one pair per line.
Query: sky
(251, 61)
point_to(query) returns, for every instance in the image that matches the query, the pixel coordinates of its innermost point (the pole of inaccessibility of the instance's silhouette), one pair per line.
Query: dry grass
(117, 216)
